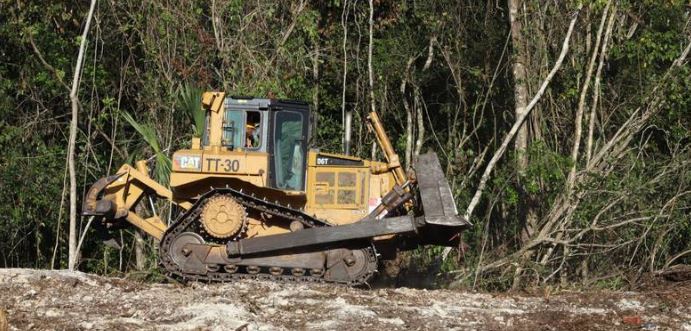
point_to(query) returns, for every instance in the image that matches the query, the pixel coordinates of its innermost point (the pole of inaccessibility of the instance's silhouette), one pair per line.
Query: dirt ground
(59, 300)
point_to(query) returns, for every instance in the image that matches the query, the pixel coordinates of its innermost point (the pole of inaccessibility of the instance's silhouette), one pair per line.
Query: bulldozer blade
(435, 194)
(92, 206)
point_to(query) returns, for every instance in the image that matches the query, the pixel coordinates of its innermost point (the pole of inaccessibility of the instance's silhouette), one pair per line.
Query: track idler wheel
(178, 252)
(351, 266)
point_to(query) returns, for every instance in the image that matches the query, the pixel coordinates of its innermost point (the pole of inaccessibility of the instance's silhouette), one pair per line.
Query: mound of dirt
(56, 300)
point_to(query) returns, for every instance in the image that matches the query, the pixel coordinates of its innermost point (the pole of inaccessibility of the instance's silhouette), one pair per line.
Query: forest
(564, 127)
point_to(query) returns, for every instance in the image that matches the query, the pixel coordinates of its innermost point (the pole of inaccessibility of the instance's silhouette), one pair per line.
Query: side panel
(379, 185)
(338, 187)
(193, 165)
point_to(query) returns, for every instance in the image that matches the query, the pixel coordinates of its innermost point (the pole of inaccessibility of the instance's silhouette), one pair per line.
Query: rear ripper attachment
(316, 225)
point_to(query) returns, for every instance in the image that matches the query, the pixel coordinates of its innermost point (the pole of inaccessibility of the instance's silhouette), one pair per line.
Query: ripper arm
(121, 192)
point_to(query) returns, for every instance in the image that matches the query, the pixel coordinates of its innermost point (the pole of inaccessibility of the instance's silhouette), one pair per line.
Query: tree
(74, 99)
(520, 82)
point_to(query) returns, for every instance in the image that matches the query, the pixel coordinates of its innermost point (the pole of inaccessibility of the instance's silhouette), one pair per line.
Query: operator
(252, 140)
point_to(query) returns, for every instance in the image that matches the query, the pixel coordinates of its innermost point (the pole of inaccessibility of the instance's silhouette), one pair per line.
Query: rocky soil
(59, 300)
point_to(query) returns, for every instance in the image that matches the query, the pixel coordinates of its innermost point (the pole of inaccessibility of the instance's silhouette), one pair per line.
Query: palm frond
(163, 162)
(146, 131)
(163, 168)
(190, 101)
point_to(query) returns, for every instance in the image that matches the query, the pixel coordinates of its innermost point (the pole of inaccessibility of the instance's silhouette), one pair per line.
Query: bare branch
(584, 91)
(596, 88)
(45, 63)
(430, 53)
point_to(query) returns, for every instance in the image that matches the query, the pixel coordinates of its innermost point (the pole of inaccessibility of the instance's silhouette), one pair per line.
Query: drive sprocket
(222, 217)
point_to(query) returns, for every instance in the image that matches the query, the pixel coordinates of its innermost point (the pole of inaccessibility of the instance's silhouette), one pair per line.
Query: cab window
(234, 129)
(242, 129)
(289, 155)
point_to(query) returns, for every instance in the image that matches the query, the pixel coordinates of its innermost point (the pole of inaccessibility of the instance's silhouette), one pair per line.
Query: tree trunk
(139, 243)
(139, 256)
(346, 127)
(417, 105)
(521, 101)
(315, 93)
(408, 116)
(369, 57)
(371, 71)
(596, 87)
(581, 100)
(520, 83)
(74, 99)
(121, 251)
(348, 132)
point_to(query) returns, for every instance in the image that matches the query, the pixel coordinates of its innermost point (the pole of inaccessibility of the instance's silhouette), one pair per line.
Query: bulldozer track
(186, 221)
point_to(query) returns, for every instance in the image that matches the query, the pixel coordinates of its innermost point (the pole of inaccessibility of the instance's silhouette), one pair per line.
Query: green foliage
(190, 100)
(163, 163)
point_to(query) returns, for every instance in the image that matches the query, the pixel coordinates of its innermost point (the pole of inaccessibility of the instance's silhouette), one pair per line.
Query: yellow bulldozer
(252, 201)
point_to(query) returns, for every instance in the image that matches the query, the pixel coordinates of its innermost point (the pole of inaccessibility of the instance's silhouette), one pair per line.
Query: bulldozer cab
(277, 129)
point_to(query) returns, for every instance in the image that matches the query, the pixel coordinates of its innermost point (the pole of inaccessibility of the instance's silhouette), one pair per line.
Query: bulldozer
(250, 199)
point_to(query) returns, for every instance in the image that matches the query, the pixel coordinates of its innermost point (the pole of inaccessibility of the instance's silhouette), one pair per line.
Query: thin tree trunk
(59, 222)
(408, 116)
(74, 98)
(81, 238)
(520, 82)
(315, 93)
(139, 257)
(346, 126)
(216, 24)
(596, 87)
(120, 251)
(417, 105)
(520, 76)
(371, 71)
(369, 57)
(581, 100)
(139, 243)
(348, 132)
